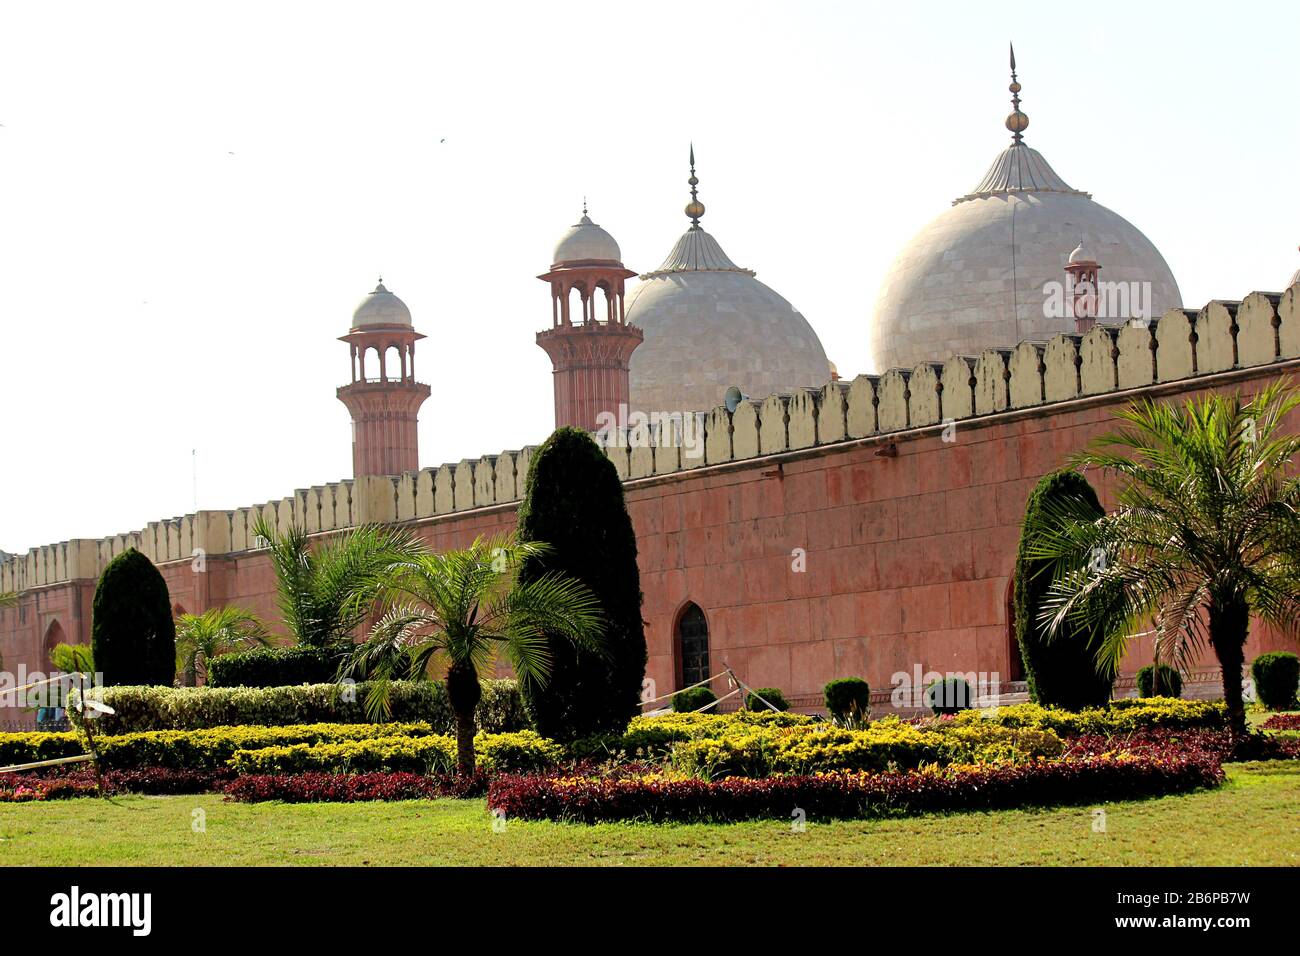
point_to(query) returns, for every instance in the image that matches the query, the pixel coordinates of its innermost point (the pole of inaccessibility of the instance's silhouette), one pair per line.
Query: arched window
(693, 645)
(54, 636)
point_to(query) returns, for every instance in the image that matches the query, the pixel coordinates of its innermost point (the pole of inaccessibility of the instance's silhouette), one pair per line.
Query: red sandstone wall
(907, 558)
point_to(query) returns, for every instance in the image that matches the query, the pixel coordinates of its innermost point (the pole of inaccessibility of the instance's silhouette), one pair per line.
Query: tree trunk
(463, 693)
(1229, 627)
(465, 757)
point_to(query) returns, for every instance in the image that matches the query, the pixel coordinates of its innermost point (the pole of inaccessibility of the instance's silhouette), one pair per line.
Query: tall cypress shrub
(573, 501)
(133, 635)
(1061, 672)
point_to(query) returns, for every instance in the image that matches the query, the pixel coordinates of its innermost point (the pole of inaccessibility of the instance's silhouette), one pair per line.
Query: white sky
(193, 197)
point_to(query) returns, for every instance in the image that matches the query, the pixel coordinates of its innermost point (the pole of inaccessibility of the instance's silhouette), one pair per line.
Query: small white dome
(381, 307)
(585, 240)
(1081, 254)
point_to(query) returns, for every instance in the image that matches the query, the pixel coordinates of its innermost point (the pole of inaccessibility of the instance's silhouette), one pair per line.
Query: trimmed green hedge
(194, 708)
(521, 752)
(274, 667)
(685, 701)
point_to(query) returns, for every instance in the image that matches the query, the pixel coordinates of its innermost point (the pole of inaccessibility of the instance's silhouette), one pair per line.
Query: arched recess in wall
(1016, 665)
(691, 646)
(54, 636)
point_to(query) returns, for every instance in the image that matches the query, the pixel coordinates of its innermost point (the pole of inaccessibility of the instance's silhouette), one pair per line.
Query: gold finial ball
(1017, 122)
(1014, 87)
(694, 209)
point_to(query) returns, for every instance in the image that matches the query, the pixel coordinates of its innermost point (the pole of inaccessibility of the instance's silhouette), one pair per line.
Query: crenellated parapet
(1182, 345)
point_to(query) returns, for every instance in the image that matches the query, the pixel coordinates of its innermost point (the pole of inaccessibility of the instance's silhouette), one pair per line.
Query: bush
(772, 695)
(274, 667)
(334, 787)
(1276, 676)
(848, 698)
(573, 501)
(685, 701)
(1169, 680)
(1061, 672)
(133, 636)
(949, 695)
(191, 708)
(1121, 717)
(524, 751)
(1069, 780)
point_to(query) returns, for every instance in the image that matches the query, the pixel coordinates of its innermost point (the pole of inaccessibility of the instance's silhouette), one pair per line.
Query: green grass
(1250, 820)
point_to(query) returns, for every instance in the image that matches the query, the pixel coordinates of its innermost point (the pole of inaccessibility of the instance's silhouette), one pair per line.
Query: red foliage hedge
(352, 787)
(1081, 779)
(1283, 722)
(80, 782)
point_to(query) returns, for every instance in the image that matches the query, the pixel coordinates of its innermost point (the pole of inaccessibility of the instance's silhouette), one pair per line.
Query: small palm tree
(326, 592)
(217, 631)
(8, 599)
(73, 658)
(464, 608)
(1207, 533)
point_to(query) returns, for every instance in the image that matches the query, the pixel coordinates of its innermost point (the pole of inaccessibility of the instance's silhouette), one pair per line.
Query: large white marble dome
(710, 324)
(975, 277)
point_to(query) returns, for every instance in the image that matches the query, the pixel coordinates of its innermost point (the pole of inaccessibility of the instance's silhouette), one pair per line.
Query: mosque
(822, 527)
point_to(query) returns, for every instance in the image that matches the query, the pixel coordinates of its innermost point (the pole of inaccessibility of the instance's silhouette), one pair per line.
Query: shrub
(573, 501)
(772, 695)
(1121, 717)
(685, 701)
(133, 636)
(190, 708)
(1075, 780)
(848, 698)
(1276, 677)
(1283, 722)
(1169, 681)
(524, 751)
(1061, 672)
(334, 787)
(948, 695)
(274, 667)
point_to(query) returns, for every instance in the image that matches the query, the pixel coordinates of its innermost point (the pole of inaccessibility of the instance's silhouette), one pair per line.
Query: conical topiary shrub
(573, 501)
(133, 635)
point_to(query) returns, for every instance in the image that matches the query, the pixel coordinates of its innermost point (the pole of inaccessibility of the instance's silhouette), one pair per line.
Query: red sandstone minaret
(384, 397)
(1081, 284)
(589, 351)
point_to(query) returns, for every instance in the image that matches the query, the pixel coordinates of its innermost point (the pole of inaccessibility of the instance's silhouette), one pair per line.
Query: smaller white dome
(381, 307)
(1081, 254)
(586, 240)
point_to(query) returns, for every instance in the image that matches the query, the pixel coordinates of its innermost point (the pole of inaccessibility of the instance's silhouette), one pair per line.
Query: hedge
(194, 708)
(1121, 717)
(191, 749)
(692, 699)
(773, 696)
(518, 752)
(1082, 780)
(132, 633)
(274, 667)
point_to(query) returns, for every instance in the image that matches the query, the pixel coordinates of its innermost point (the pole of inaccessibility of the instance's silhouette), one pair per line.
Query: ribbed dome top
(696, 251)
(586, 240)
(381, 307)
(1018, 168)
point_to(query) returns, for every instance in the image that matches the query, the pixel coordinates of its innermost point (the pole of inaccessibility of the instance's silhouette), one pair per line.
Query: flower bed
(652, 798)
(519, 752)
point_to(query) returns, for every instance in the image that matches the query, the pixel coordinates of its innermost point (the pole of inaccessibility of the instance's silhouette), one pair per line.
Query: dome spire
(694, 208)
(1017, 121)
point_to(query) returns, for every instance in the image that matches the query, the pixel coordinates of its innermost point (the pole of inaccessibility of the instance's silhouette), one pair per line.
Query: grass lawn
(1251, 820)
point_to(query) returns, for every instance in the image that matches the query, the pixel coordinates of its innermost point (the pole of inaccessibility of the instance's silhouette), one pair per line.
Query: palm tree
(73, 658)
(218, 630)
(326, 592)
(8, 599)
(1206, 533)
(462, 609)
